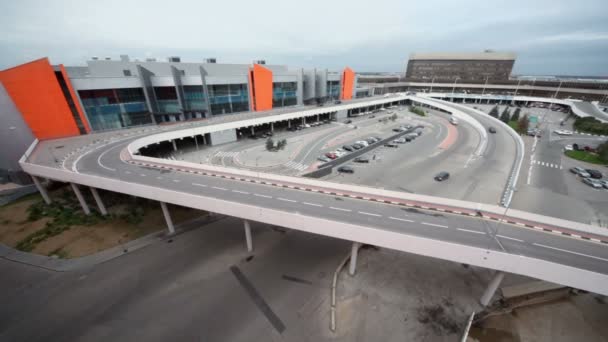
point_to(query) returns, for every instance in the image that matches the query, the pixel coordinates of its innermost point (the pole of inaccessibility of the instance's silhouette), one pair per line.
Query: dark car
(358, 146)
(391, 145)
(337, 102)
(372, 116)
(492, 130)
(594, 173)
(370, 140)
(348, 121)
(346, 169)
(348, 148)
(441, 176)
(361, 160)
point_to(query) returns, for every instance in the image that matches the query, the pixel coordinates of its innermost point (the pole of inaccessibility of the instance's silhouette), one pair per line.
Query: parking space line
(434, 225)
(571, 252)
(400, 219)
(508, 238)
(313, 204)
(218, 188)
(286, 199)
(264, 196)
(368, 214)
(470, 231)
(341, 209)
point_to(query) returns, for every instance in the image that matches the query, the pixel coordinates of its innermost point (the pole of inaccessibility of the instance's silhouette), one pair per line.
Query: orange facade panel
(77, 105)
(34, 89)
(261, 85)
(348, 83)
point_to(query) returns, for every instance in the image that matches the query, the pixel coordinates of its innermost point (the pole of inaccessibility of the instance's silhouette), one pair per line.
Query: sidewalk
(63, 265)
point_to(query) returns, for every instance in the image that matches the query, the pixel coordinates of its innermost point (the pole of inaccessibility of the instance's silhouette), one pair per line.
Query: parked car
(562, 132)
(594, 173)
(492, 130)
(577, 170)
(348, 148)
(361, 160)
(324, 159)
(331, 155)
(400, 141)
(358, 146)
(604, 183)
(391, 145)
(568, 148)
(363, 142)
(399, 129)
(594, 183)
(346, 169)
(370, 140)
(372, 116)
(348, 121)
(441, 176)
(337, 102)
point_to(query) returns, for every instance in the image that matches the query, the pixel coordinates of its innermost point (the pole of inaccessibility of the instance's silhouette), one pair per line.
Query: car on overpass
(441, 176)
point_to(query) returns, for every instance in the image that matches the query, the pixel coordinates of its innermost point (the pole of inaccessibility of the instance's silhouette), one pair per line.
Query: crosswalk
(546, 164)
(296, 166)
(226, 154)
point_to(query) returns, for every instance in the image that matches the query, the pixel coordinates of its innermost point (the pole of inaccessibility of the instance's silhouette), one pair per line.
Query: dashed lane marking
(313, 204)
(508, 238)
(286, 200)
(470, 231)
(263, 196)
(400, 219)
(241, 192)
(368, 214)
(341, 209)
(218, 188)
(434, 225)
(201, 185)
(571, 252)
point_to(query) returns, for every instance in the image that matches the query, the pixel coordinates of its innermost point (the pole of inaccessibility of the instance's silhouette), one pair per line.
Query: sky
(550, 37)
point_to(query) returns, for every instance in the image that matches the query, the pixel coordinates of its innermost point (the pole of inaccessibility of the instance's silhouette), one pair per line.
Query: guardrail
(482, 257)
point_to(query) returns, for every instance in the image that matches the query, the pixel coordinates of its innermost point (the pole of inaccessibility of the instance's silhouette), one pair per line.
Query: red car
(331, 155)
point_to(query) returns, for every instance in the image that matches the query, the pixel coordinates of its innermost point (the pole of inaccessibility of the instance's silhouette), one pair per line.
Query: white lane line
(218, 188)
(470, 231)
(508, 238)
(286, 200)
(159, 177)
(143, 175)
(101, 164)
(201, 185)
(571, 252)
(400, 219)
(128, 172)
(368, 214)
(176, 180)
(434, 225)
(264, 196)
(341, 209)
(313, 204)
(241, 192)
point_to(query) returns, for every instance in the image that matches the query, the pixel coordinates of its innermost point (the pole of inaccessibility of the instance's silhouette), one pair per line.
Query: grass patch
(586, 157)
(417, 110)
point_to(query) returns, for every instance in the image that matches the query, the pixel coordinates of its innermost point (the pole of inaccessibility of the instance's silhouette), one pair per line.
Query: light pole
(558, 88)
(432, 80)
(454, 87)
(516, 89)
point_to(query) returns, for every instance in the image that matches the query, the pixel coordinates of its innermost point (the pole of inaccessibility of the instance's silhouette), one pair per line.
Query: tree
(270, 144)
(506, 116)
(602, 151)
(281, 144)
(515, 116)
(522, 124)
(394, 117)
(494, 111)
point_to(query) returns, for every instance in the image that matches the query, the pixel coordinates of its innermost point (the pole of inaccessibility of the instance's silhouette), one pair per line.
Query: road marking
(101, 164)
(434, 225)
(159, 177)
(313, 204)
(143, 175)
(128, 172)
(369, 214)
(197, 184)
(567, 251)
(470, 231)
(264, 196)
(400, 219)
(176, 180)
(218, 188)
(509, 238)
(241, 192)
(286, 200)
(341, 209)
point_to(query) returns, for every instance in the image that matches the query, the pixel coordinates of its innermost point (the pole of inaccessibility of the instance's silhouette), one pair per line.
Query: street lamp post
(454, 87)
(432, 80)
(516, 89)
(558, 88)
(484, 88)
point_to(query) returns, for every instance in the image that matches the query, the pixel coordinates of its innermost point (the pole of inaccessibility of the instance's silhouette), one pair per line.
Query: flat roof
(463, 56)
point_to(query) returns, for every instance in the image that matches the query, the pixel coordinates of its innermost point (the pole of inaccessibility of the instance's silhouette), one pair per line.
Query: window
(126, 72)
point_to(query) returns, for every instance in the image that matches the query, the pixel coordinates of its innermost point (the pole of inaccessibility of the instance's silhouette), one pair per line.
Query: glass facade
(228, 98)
(194, 98)
(115, 108)
(284, 94)
(166, 100)
(333, 90)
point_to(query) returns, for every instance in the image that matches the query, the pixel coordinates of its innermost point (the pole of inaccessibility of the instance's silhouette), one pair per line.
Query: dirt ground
(83, 240)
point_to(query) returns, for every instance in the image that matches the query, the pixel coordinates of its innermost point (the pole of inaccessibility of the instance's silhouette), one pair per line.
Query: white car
(568, 148)
(562, 132)
(362, 142)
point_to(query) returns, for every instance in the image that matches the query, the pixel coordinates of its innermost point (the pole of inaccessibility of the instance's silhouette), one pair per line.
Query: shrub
(417, 110)
(591, 125)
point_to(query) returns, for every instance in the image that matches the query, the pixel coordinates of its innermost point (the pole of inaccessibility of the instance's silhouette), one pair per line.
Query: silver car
(594, 183)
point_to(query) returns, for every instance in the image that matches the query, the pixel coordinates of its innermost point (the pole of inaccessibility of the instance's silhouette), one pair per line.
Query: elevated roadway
(559, 251)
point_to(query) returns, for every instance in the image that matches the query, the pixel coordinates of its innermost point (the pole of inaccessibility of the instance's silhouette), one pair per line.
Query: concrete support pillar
(100, 205)
(288, 123)
(174, 145)
(353, 258)
(272, 126)
(170, 227)
(492, 287)
(42, 190)
(204, 140)
(318, 117)
(303, 120)
(248, 239)
(83, 203)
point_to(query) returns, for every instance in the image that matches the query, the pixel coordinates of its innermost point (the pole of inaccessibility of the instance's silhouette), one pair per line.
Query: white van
(454, 121)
